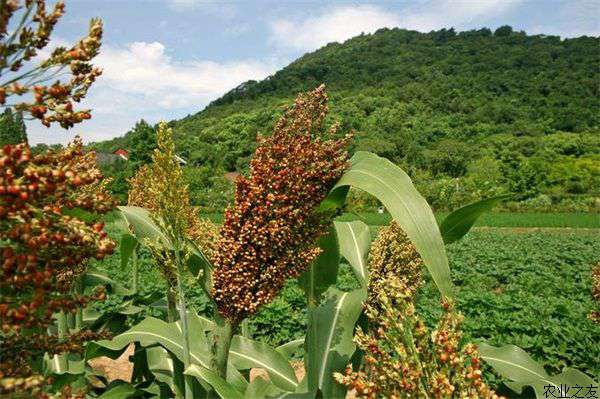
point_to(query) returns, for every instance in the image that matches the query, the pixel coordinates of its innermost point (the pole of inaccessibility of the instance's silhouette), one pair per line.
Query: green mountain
(468, 114)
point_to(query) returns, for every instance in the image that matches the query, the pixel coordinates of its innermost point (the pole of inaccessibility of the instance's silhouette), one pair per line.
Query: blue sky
(164, 59)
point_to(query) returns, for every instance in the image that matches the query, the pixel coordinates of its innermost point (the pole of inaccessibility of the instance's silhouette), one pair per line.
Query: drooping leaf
(93, 277)
(142, 225)
(166, 369)
(392, 186)
(459, 222)
(355, 240)
(63, 364)
(323, 272)
(246, 354)
(151, 331)
(127, 246)
(224, 389)
(329, 344)
(515, 364)
(287, 350)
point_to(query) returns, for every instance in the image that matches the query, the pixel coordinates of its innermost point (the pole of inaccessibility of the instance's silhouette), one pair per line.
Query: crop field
(503, 219)
(524, 286)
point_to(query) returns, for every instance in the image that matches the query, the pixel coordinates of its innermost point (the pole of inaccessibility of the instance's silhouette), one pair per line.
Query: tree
(143, 142)
(12, 128)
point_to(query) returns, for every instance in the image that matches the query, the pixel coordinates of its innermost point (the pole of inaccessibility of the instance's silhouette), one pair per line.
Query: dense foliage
(467, 114)
(12, 128)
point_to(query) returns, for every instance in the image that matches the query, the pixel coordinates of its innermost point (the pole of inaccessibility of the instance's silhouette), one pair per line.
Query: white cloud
(337, 24)
(142, 81)
(341, 23)
(454, 13)
(576, 18)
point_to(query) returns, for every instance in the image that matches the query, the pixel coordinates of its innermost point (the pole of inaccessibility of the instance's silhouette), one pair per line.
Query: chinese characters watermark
(571, 391)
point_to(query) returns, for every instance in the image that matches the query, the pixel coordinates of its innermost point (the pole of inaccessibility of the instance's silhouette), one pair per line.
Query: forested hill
(471, 111)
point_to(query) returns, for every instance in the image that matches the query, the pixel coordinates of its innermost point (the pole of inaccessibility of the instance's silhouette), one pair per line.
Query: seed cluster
(393, 255)
(43, 249)
(52, 103)
(269, 232)
(160, 188)
(403, 359)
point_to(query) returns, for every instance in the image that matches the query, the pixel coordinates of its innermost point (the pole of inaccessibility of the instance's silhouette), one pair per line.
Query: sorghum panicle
(160, 188)
(269, 232)
(402, 358)
(52, 103)
(392, 254)
(43, 249)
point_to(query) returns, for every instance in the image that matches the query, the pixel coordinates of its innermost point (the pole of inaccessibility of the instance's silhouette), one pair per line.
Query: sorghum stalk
(223, 342)
(161, 189)
(135, 270)
(184, 322)
(270, 232)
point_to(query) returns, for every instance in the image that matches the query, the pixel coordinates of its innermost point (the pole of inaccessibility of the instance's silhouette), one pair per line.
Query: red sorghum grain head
(269, 232)
(52, 95)
(43, 249)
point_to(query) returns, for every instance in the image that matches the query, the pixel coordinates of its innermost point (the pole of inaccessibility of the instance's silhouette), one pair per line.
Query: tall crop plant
(283, 224)
(44, 252)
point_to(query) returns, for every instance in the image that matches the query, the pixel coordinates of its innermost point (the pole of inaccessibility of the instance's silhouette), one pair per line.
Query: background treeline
(468, 114)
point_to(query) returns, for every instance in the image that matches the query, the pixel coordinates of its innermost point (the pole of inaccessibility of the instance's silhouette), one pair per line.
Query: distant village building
(180, 160)
(124, 154)
(106, 158)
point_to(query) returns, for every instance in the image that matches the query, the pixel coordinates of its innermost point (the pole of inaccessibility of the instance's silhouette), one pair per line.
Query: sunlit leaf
(459, 222)
(329, 344)
(392, 186)
(355, 240)
(515, 364)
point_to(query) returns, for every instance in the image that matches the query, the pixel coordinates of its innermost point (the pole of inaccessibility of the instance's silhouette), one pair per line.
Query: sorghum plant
(52, 102)
(160, 188)
(402, 358)
(269, 233)
(44, 251)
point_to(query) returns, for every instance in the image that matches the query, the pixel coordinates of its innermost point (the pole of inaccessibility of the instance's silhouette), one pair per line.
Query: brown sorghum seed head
(269, 234)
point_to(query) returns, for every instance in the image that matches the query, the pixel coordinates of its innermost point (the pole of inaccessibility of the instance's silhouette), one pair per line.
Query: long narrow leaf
(516, 365)
(392, 186)
(288, 349)
(224, 389)
(126, 248)
(355, 240)
(246, 354)
(323, 272)
(459, 222)
(143, 226)
(329, 344)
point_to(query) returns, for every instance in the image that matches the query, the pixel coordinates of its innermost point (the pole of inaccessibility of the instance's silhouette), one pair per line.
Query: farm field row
(496, 219)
